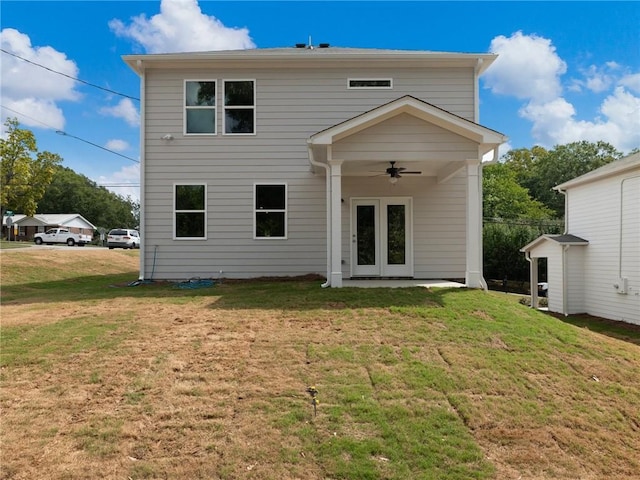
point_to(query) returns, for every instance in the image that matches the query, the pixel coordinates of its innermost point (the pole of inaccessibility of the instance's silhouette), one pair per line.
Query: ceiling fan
(394, 172)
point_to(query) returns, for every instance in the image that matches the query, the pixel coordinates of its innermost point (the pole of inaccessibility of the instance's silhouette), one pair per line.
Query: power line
(69, 76)
(61, 132)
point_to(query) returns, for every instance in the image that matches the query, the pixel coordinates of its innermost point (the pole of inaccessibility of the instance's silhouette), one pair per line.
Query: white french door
(381, 237)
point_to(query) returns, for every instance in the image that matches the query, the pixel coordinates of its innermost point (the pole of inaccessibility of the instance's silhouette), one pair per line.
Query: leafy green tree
(539, 170)
(24, 171)
(502, 241)
(504, 197)
(70, 192)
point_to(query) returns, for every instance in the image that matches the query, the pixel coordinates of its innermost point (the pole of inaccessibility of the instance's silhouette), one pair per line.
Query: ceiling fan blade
(412, 173)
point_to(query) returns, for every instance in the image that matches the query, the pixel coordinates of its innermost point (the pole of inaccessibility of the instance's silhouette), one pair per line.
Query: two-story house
(347, 163)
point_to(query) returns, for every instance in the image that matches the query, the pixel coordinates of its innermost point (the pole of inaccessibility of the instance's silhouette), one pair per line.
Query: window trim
(175, 211)
(239, 107)
(196, 107)
(357, 79)
(285, 210)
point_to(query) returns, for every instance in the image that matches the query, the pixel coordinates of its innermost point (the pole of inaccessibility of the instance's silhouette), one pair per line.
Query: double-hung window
(190, 213)
(270, 218)
(239, 107)
(200, 107)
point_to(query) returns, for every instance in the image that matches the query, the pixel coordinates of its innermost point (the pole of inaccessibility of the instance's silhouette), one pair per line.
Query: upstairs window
(239, 107)
(270, 211)
(384, 83)
(200, 107)
(190, 211)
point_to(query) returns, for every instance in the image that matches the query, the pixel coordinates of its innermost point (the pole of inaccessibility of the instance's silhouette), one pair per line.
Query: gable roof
(311, 57)
(487, 138)
(51, 219)
(626, 164)
(564, 239)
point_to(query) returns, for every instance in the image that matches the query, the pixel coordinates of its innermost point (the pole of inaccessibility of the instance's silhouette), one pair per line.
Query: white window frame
(175, 211)
(197, 107)
(356, 79)
(238, 107)
(285, 210)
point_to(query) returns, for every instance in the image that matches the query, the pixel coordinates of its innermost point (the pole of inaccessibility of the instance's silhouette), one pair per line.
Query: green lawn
(212, 383)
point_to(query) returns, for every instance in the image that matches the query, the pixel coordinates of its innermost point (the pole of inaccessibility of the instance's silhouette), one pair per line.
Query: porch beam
(448, 171)
(336, 222)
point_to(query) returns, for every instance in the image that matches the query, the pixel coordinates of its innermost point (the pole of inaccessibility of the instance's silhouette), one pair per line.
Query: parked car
(123, 238)
(543, 288)
(61, 235)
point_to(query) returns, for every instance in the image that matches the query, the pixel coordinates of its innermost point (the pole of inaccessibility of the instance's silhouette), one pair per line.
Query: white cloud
(632, 82)
(117, 145)
(126, 110)
(33, 90)
(119, 181)
(529, 69)
(181, 27)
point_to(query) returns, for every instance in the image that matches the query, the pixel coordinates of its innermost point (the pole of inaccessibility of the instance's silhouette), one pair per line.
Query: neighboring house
(27, 226)
(279, 162)
(595, 267)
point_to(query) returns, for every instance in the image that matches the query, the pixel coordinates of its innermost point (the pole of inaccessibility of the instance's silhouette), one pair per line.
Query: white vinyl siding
(293, 105)
(419, 140)
(607, 213)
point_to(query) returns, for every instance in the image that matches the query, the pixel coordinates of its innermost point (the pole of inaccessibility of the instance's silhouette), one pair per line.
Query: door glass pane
(396, 235)
(366, 234)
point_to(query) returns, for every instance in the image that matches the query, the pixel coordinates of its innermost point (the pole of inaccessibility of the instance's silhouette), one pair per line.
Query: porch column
(473, 274)
(336, 222)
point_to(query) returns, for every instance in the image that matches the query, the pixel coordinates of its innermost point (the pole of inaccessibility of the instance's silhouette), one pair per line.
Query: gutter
(314, 163)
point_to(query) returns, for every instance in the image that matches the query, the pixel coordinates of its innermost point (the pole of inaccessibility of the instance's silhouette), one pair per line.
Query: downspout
(483, 282)
(565, 282)
(565, 274)
(314, 163)
(143, 248)
(566, 210)
(620, 226)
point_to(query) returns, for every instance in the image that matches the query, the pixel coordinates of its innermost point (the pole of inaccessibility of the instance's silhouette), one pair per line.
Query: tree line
(33, 181)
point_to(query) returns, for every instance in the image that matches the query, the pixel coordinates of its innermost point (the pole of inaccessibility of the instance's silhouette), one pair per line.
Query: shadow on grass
(611, 328)
(273, 294)
(308, 295)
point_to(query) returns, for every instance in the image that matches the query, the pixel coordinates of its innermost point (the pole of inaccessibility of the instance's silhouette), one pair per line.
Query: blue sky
(566, 71)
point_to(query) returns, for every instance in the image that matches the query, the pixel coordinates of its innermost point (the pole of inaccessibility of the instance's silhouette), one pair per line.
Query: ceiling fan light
(393, 180)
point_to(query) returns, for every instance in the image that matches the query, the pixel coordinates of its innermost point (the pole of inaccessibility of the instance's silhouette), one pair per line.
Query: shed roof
(563, 239)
